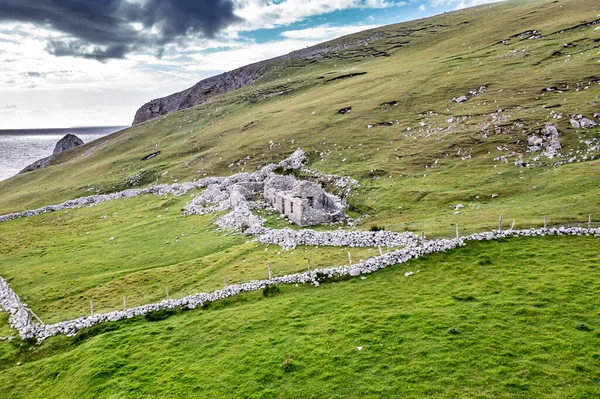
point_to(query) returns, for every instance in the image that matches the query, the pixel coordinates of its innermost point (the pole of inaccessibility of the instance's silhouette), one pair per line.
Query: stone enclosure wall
(234, 193)
(27, 329)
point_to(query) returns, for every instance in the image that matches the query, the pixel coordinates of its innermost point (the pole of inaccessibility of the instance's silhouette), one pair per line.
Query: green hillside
(525, 310)
(516, 307)
(430, 62)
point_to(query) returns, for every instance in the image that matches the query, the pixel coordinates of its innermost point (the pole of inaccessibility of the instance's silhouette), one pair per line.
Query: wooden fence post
(500, 223)
(545, 222)
(457, 236)
(269, 266)
(589, 222)
(380, 251)
(349, 257)
(36, 316)
(513, 225)
(124, 304)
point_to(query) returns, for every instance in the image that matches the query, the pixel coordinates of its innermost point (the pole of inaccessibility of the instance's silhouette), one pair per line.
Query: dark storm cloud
(101, 29)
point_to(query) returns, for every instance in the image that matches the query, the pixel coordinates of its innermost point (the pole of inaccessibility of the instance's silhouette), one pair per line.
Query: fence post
(36, 316)
(513, 225)
(269, 266)
(500, 223)
(545, 222)
(422, 238)
(349, 257)
(457, 236)
(589, 222)
(124, 304)
(91, 307)
(380, 251)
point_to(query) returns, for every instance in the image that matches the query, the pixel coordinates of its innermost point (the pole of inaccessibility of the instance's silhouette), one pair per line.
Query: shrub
(374, 227)
(484, 260)
(288, 364)
(159, 314)
(271, 290)
(464, 297)
(582, 327)
(452, 330)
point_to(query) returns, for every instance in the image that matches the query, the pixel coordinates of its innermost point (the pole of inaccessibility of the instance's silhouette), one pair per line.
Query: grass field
(422, 169)
(516, 306)
(58, 262)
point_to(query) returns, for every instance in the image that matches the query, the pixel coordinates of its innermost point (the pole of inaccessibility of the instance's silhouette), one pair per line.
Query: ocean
(19, 148)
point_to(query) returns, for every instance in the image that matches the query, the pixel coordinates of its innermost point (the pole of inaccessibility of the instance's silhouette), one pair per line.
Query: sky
(72, 63)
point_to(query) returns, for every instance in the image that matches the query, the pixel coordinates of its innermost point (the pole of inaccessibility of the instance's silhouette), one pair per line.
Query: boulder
(587, 123)
(534, 141)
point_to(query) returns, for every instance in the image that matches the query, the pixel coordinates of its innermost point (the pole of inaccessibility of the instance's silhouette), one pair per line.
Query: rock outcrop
(64, 144)
(207, 89)
(548, 141)
(203, 92)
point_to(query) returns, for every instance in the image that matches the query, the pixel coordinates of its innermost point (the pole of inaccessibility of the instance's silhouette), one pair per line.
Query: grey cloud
(101, 29)
(8, 107)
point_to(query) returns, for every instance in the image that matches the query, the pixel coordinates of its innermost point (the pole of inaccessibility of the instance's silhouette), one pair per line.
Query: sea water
(19, 148)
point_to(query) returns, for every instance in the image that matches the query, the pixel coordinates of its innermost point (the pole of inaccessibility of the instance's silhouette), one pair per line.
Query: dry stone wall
(416, 248)
(232, 193)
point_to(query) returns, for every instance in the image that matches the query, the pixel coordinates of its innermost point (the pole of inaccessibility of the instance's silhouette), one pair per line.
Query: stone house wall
(303, 202)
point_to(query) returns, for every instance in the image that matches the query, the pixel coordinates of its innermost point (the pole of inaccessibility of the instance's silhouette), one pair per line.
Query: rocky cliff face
(64, 144)
(201, 93)
(207, 89)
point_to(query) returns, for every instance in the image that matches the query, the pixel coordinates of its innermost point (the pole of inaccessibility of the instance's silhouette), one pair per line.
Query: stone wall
(303, 202)
(415, 248)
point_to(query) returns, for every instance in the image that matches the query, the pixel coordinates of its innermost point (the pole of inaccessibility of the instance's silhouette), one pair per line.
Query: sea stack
(64, 144)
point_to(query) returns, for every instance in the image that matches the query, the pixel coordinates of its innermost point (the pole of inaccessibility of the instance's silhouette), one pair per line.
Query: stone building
(303, 202)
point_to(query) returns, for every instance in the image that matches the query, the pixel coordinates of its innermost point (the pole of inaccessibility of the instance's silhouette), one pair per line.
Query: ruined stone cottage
(303, 202)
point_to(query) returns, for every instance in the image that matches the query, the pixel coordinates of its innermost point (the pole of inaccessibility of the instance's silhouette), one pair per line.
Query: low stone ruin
(303, 202)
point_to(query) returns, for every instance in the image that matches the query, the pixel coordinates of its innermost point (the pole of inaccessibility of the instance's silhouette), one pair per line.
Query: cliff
(201, 92)
(207, 89)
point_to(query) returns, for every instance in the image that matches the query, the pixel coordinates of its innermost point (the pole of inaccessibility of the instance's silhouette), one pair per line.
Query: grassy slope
(452, 54)
(515, 305)
(58, 262)
(528, 325)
